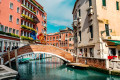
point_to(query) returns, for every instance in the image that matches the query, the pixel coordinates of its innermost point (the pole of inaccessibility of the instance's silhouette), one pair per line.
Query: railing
(90, 11)
(29, 9)
(75, 23)
(115, 64)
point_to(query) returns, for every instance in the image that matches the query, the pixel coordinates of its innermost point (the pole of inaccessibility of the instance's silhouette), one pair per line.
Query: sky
(59, 14)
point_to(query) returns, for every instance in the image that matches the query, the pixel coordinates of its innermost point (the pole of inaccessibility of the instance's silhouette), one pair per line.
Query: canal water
(43, 70)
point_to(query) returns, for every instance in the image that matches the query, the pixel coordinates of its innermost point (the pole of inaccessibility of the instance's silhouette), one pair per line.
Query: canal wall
(93, 62)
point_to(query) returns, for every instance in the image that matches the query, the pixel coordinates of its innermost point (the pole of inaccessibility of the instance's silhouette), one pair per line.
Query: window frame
(17, 21)
(10, 5)
(11, 18)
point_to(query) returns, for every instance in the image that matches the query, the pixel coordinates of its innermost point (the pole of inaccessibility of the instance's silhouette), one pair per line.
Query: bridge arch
(47, 49)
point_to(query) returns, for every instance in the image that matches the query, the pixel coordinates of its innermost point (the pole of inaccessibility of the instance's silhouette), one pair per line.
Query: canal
(45, 70)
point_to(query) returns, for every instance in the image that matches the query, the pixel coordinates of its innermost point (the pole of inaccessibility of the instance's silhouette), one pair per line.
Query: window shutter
(117, 5)
(107, 30)
(104, 2)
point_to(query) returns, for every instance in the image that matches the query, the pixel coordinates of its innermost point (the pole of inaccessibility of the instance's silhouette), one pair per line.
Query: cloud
(59, 12)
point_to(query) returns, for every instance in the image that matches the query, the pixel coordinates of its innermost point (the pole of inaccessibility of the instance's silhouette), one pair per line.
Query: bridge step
(6, 72)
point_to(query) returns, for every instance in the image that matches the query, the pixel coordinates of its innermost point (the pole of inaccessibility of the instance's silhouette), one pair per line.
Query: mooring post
(8, 52)
(16, 59)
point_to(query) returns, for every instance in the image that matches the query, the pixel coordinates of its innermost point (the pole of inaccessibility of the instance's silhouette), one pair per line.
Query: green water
(38, 70)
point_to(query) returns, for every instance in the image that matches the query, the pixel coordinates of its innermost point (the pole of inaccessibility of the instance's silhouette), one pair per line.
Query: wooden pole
(16, 59)
(9, 57)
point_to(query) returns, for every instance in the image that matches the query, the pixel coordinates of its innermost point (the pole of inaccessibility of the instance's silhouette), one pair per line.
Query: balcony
(28, 18)
(75, 23)
(34, 12)
(79, 20)
(28, 28)
(9, 34)
(59, 39)
(90, 11)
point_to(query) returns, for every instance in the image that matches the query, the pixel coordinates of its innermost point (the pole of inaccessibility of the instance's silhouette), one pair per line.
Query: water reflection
(50, 70)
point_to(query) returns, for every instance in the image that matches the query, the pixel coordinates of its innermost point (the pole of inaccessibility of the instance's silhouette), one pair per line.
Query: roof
(66, 29)
(75, 6)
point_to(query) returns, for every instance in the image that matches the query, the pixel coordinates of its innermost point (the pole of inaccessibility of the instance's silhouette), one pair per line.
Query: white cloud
(59, 12)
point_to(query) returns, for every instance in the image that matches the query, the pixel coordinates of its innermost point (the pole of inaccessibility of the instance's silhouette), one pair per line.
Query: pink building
(18, 18)
(62, 39)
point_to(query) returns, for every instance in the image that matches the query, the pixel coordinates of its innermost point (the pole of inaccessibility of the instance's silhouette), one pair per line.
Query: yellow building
(96, 25)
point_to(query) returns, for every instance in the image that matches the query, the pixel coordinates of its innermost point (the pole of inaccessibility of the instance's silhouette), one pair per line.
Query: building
(18, 18)
(96, 28)
(62, 39)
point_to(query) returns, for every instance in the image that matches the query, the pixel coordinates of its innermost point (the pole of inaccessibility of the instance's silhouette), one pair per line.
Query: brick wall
(94, 62)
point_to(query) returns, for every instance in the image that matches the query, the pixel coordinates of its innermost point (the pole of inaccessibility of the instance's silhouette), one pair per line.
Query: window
(0, 1)
(117, 5)
(91, 52)
(37, 12)
(14, 31)
(107, 30)
(18, 9)
(6, 29)
(1, 27)
(1, 46)
(17, 21)
(37, 28)
(104, 2)
(112, 51)
(18, 0)
(80, 35)
(79, 12)
(90, 3)
(10, 18)
(11, 5)
(5, 48)
(17, 32)
(22, 33)
(53, 38)
(91, 31)
(10, 30)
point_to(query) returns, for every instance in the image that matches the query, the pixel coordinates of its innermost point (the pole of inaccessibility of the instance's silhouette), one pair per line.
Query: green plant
(9, 34)
(29, 9)
(36, 5)
(28, 28)
(28, 18)
(26, 38)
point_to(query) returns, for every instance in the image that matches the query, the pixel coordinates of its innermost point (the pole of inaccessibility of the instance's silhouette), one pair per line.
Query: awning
(115, 42)
(112, 42)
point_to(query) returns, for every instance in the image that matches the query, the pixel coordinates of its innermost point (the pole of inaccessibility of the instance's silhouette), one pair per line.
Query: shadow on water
(40, 70)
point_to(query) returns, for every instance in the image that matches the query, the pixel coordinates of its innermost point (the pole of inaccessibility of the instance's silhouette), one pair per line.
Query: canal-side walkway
(6, 72)
(78, 65)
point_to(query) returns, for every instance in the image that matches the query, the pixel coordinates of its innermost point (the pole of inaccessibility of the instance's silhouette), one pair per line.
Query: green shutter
(79, 12)
(90, 2)
(91, 31)
(117, 5)
(104, 2)
(80, 35)
(107, 30)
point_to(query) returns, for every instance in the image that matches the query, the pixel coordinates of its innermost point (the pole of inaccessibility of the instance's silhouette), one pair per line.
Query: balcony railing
(28, 18)
(79, 20)
(90, 11)
(75, 23)
(28, 28)
(9, 34)
(29, 9)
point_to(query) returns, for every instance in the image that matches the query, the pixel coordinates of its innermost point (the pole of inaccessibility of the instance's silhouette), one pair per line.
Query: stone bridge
(60, 53)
